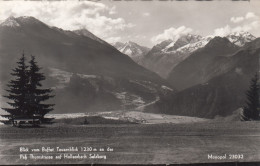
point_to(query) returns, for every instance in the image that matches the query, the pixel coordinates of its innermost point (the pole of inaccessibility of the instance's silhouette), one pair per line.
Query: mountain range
(217, 69)
(165, 56)
(83, 55)
(202, 76)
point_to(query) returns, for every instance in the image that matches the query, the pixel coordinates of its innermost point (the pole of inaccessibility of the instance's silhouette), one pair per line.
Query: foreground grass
(137, 143)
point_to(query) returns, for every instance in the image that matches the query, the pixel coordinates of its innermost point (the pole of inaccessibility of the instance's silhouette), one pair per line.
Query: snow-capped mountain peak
(21, 21)
(162, 59)
(240, 38)
(10, 22)
(182, 41)
(186, 43)
(133, 50)
(190, 47)
(190, 42)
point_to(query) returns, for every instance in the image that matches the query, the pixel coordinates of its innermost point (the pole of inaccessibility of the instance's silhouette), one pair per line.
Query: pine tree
(18, 92)
(252, 107)
(25, 94)
(37, 95)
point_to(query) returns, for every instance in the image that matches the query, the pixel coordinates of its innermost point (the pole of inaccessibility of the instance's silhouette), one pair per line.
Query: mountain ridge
(85, 32)
(132, 49)
(220, 95)
(163, 57)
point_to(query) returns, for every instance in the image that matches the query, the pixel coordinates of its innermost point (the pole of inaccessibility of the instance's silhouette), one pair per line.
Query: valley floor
(134, 143)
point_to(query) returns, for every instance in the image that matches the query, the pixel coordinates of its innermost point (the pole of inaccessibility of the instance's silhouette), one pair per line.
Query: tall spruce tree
(18, 91)
(36, 94)
(252, 107)
(25, 94)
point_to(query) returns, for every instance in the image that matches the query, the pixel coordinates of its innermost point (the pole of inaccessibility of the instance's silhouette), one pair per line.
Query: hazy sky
(146, 23)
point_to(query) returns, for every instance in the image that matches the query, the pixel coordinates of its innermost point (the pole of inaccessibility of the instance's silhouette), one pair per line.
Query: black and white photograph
(130, 82)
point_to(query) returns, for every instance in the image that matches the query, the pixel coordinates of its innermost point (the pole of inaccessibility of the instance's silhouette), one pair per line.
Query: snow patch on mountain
(10, 22)
(187, 44)
(133, 50)
(182, 41)
(196, 45)
(240, 38)
(127, 51)
(168, 46)
(190, 43)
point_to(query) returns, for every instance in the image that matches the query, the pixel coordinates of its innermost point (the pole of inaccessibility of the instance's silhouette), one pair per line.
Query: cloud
(69, 15)
(146, 14)
(249, 22)
(250, 15)
(113, 39)
(171, 33)
(224, 31)
(112, 10)
(243, 28)
(247, 27)
(237, 19)
(140, 36)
